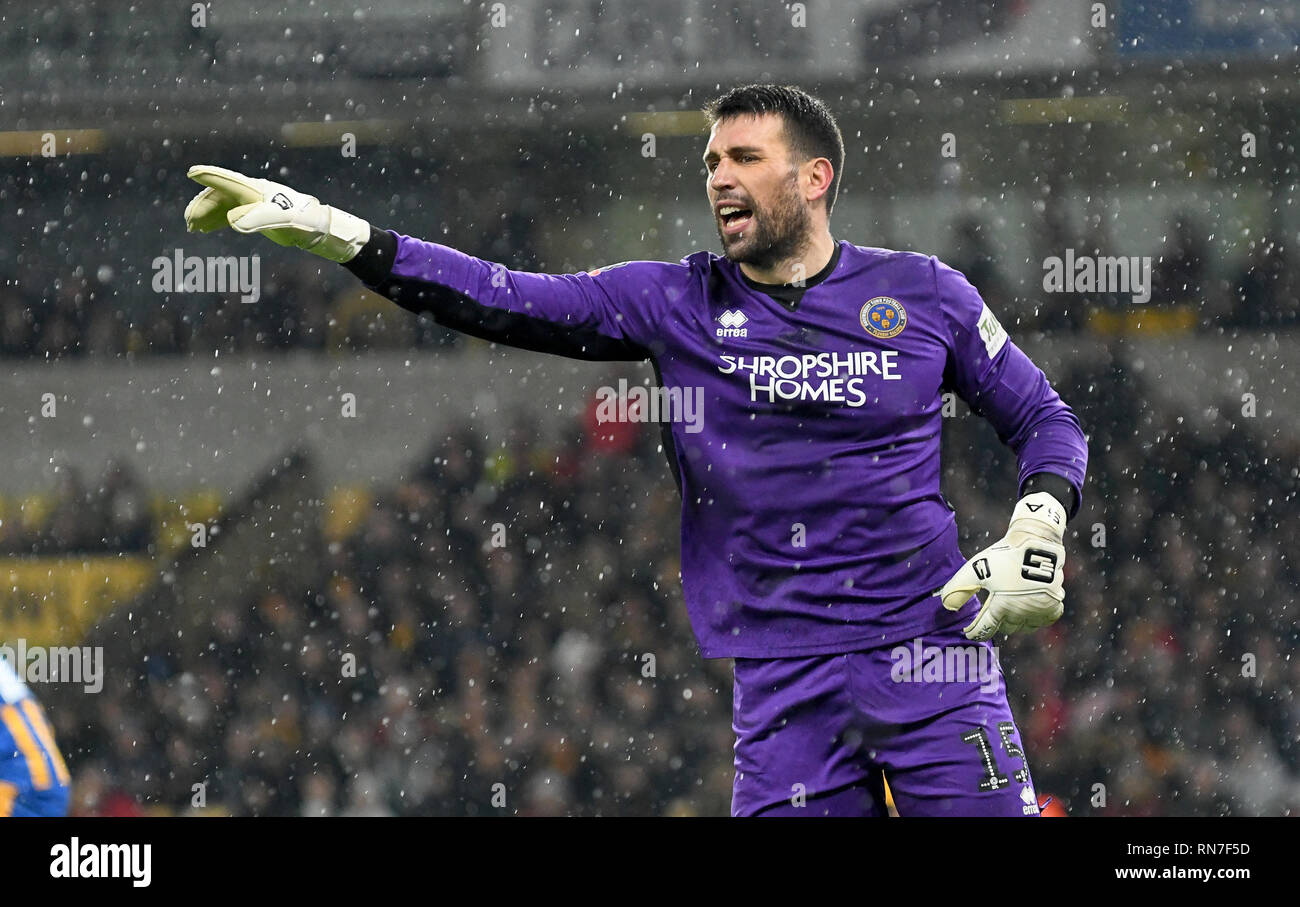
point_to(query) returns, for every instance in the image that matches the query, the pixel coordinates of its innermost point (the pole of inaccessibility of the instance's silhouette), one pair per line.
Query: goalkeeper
(815, 543)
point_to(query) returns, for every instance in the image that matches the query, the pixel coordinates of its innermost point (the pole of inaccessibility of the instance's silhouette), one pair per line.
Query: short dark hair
(810, 129)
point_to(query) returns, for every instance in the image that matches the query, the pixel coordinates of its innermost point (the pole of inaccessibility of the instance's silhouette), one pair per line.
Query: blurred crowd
(77, 316)
(555, 673)
(51, 311)
(1260, 292)
(518, 642)
(324, 309)
(110, 513)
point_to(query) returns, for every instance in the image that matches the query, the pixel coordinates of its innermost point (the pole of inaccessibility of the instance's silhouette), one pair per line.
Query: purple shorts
(815, 733)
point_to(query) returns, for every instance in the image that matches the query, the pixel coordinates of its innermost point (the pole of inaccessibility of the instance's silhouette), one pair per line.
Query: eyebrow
(735, 149)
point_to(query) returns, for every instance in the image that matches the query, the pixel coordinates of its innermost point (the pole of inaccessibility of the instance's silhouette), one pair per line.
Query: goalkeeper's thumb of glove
(958, 590)
(282, 215)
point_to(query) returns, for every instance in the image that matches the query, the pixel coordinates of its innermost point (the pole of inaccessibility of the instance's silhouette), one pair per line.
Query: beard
(776, 234)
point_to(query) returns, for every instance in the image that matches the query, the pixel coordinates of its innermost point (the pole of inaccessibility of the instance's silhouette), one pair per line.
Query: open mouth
(735, 219)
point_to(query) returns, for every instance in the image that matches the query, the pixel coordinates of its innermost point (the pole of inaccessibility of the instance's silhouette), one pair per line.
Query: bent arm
(1004, 386)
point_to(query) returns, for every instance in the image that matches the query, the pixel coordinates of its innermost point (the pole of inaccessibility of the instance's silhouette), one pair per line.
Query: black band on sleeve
(1058, 487)
(374, 262)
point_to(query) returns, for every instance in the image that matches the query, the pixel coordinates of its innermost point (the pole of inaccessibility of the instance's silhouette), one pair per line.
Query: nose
(720, 178)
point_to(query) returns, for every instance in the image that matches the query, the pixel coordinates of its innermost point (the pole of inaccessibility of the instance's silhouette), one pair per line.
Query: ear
(816, 178)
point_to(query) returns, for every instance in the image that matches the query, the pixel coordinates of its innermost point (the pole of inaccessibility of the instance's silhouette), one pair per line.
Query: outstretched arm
(608, 314)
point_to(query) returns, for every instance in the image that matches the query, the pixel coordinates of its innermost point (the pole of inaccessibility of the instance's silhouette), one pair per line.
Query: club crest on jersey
(733, 323)
(883, 317)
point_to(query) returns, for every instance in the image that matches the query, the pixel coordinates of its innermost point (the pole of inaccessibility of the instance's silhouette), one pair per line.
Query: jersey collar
(788, 294)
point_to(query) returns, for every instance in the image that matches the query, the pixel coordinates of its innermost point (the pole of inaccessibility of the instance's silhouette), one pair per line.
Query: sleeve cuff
(374, 263)
(1058, 487)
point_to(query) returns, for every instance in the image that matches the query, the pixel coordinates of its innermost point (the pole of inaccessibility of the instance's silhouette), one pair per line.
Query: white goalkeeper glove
(1022, 572)
(282, 215)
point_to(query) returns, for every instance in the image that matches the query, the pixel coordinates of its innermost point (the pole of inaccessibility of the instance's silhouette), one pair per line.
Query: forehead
(749, 130)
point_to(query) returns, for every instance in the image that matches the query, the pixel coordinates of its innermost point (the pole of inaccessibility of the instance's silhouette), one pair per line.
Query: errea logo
(1031, 802)
(732, 322)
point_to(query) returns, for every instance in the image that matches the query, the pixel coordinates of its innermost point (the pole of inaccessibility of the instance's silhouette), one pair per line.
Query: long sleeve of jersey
(1000, 383)
(580, 316)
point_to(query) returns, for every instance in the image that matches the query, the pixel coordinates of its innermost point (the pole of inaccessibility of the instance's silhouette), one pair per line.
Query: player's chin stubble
(777, 234)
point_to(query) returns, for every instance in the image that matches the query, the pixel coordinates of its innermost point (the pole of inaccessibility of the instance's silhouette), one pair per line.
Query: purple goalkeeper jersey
(812, 521)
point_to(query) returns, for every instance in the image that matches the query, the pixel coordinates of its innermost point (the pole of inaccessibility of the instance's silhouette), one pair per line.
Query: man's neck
(809, 260)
